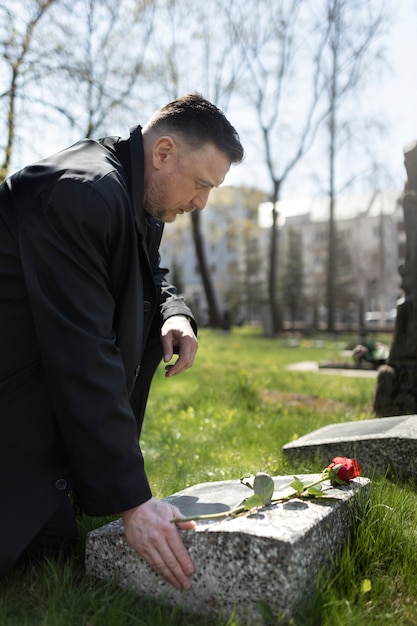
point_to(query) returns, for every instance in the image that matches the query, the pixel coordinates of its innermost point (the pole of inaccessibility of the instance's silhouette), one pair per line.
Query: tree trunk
(276, 321)
(331, 264)
(213, 311)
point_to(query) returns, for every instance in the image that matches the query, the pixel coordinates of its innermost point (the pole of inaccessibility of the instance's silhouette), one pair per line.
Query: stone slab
(313, 366)
(378, 444)
(271, 557)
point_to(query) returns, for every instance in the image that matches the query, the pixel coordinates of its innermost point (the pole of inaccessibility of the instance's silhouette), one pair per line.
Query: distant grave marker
(375, 443)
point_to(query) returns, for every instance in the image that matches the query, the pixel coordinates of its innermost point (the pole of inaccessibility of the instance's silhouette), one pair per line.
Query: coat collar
(137, 176)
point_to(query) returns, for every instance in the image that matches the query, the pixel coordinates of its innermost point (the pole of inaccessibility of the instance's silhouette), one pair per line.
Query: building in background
(232, 246)
(370, 248)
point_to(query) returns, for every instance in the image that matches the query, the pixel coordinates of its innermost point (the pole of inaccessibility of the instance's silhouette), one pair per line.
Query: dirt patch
(270, 397)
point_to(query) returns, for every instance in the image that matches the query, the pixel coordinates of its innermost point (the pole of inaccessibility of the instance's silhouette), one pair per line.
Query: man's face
(181, 178)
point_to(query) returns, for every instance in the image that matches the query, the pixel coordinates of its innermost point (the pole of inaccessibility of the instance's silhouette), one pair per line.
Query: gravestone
(351, 372)
(396, 390)
(375, 443)
(269, 558)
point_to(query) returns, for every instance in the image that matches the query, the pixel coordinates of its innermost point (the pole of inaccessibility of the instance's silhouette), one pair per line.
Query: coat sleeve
(173, 304)
(68, 243)
(170, 302)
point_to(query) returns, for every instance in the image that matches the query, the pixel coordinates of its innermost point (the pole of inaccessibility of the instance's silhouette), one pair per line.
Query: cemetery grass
(229, 416)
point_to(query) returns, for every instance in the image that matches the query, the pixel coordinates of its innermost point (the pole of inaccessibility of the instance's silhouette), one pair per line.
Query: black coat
(80, 284)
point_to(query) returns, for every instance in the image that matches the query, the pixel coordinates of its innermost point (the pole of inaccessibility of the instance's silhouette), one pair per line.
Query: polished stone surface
(272, 556)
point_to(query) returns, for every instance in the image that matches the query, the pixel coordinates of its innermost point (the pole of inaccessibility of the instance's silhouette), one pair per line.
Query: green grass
(228, 416)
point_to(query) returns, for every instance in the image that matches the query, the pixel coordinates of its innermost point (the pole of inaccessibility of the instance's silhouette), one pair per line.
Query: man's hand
(149, 531)
(177, 332)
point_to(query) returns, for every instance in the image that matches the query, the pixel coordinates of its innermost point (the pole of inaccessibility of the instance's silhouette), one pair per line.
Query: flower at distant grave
(342, 469)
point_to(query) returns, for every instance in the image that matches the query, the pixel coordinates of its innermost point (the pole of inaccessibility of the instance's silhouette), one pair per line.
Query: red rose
(344, 468)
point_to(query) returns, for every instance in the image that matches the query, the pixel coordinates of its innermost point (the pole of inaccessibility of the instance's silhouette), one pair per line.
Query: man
(369, 351)
(86, 315)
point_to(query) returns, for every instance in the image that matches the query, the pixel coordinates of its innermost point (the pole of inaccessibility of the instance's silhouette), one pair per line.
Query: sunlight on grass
(229, 416)
(216, 422)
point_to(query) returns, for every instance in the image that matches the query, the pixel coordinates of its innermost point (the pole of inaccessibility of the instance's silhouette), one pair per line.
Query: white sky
(395, 99)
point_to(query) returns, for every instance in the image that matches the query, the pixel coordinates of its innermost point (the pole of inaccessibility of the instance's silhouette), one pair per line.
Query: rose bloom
(349, 469)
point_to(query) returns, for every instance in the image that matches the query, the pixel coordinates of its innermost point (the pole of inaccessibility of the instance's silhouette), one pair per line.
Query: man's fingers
(177, 335)
(185, 359)
(190, 525)
(175, 570)
(167, 347)
(176, 562)
(176, 368)
(170, 559)
(150, 532)
(180, 553)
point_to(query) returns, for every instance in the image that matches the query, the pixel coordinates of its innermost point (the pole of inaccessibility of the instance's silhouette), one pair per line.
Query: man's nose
(200, 199)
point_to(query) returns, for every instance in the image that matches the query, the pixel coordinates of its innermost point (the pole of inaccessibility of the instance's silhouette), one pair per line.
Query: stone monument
(378, 444)
(263, 563)
(396, 389)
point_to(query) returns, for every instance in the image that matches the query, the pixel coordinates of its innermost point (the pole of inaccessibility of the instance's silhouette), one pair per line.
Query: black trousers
(59, 535)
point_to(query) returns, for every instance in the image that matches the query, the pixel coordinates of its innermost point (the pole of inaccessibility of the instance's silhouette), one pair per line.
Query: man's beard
(156, 204)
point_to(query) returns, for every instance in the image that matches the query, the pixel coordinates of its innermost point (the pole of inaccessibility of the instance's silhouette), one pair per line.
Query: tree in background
(76, 66)
(352, 30)
(283, 90)
(72, 68)
(105, 64)
(246, 291)
(345, 278)
(293, 276)
(197, 53)
(22, 60)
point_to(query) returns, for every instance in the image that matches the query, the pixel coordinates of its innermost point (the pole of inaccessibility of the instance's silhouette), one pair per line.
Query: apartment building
(370, 245)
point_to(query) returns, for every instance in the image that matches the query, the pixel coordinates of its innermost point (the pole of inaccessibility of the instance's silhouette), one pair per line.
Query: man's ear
(164, 150)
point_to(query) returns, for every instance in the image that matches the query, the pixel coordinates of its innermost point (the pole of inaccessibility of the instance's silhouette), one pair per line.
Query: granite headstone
(378, 444)
(269, 558)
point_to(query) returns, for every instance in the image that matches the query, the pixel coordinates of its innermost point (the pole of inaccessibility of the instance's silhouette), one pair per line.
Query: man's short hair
(198, 122)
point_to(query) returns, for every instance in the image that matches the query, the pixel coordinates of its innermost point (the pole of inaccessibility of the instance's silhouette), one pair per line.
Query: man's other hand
(177, 332)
